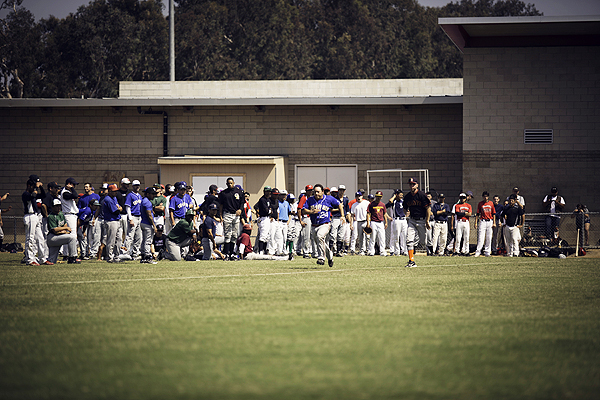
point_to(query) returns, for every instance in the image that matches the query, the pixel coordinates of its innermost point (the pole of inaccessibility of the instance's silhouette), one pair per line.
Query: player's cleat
(320, 262)
(330, 262)
(34, 264)
(47, 263)
(411, 264)
(73, 260)
(291, 257)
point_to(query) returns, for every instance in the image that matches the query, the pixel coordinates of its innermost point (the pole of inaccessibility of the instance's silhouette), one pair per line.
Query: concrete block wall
(101, 144)
(508, 90)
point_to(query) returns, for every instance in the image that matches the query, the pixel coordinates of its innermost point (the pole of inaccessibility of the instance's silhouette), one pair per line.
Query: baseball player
(231, 209)
(244, 248)
(484, 223)
(32, 218)
(399, 224)
(59, 234)
(319, 207)
(133, 202)
(305, 234)
(419, 210)
(111, 210)
(377, 220)
(69, 198)
(263, 211)
(513, 217)
(442, 215)
(358, 213)
(147, 225)
(462, 211)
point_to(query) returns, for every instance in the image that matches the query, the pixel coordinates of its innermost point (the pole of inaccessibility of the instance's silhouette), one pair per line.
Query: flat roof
(270, 101)
(522, 31)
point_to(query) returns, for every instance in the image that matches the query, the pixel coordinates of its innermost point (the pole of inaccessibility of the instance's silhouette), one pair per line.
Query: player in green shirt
(59, 234)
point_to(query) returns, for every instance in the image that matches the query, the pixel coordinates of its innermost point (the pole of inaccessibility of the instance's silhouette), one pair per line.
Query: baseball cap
(212, 206)
(267, 188)
(274, 191)
(412, 180)
(56, 202)
(191, 212)
(172, 189)
(95, 203)
(239, 187)
(136, 182)
(291, 196)
(283, 191)
(441, 195)
(325, 189)
(125, 181)
(112, 188)
(212, 188)
(247, 227)
(71, 181)
(334, 189)
(179, 185)
(371, 197)
(462, 195)
(515, 189)
(105, 186)
(34, 178)
(150, 190)
(53, 185)
(342, 187)
(160, 227)
(359, 193)
(485, 193)
(469, 193)
(183, 183)
(379, 193)
(554, 190)
(308, 187)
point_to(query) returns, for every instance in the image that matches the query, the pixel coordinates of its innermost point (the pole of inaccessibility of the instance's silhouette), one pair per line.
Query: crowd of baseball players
(122, 223)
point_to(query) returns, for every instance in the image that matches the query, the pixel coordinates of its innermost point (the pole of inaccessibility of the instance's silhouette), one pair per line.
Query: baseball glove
(368, 230)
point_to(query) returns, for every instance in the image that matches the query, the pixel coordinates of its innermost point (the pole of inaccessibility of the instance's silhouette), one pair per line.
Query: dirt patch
(591, 253)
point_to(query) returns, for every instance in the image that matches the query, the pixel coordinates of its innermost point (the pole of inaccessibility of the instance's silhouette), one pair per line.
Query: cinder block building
(526, 113)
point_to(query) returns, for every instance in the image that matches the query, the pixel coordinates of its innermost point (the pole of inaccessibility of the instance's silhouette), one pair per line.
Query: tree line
(88, 52)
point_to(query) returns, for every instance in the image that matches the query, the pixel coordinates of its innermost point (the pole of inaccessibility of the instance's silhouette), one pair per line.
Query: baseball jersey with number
(324, 206)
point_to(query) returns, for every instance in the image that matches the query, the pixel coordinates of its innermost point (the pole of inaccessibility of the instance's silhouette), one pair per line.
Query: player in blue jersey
(319, 207)
(133, 202)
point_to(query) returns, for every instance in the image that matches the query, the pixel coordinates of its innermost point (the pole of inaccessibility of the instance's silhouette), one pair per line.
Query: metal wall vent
(539, 136)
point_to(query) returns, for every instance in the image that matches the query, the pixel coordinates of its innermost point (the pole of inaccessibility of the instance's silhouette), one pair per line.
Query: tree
(106, 42)
(20, 47)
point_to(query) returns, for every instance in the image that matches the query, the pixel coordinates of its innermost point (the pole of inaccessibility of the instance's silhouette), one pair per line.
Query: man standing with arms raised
(418, 206)
(318, 207)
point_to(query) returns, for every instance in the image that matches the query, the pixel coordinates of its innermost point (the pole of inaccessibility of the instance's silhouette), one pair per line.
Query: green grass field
(368, 328)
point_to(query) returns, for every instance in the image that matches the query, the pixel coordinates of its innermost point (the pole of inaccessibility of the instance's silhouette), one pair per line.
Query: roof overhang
(522, 31)
(215, 102)
(210, 160)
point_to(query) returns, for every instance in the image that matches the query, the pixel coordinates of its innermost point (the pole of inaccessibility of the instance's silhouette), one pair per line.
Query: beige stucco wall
(508, 90)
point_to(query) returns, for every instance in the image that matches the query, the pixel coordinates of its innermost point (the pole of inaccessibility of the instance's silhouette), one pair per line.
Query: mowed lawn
(368, 328)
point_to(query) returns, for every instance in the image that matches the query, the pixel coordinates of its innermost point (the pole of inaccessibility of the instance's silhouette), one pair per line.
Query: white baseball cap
(342, 187)
(333, 189)
(136, 182)
(283, 191)
(125, 181)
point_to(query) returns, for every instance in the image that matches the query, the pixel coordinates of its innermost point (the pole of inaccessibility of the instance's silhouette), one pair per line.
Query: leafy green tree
(106, 42)
(20, 49)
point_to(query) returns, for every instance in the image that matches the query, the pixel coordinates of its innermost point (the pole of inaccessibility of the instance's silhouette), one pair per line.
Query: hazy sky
(61, 8)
